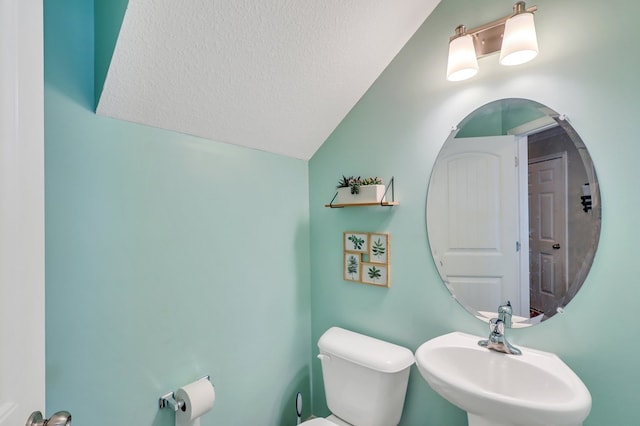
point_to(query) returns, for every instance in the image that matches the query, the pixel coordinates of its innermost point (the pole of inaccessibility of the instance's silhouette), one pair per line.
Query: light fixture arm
(460, 31)
(520, 7)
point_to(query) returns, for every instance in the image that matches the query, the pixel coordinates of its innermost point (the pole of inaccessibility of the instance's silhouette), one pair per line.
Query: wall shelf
(382, 203)
(391, 203)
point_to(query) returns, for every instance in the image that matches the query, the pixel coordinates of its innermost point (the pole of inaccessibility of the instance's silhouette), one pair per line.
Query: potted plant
(357, 190)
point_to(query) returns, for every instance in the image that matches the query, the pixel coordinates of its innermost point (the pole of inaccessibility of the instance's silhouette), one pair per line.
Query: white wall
(21, 211)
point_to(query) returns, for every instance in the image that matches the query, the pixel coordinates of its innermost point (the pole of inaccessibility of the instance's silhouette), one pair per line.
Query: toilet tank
(365, 379)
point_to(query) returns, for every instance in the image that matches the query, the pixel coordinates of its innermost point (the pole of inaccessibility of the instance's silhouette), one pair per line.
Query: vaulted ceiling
(273, 75)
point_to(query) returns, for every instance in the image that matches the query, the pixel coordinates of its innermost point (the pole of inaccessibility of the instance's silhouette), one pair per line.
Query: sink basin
(535, 388)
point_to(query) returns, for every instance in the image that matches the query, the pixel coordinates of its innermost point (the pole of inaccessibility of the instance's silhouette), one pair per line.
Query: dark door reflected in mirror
(513, 211)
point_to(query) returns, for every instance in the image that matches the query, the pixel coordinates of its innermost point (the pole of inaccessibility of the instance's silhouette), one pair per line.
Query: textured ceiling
(274, 75)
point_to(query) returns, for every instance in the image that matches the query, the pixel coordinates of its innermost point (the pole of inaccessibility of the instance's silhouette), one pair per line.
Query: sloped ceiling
(273, 75)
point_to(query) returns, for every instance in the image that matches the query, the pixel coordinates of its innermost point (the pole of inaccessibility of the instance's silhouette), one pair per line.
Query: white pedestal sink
(496, 389)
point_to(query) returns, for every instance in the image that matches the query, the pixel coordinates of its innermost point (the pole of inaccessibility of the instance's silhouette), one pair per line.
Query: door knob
(556, 246)
(61, 418)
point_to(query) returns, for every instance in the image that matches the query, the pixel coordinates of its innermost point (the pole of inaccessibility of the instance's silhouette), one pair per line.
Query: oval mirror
(513, 211)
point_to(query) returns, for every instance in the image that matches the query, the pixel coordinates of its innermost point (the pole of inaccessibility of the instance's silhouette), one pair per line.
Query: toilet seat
(329, 421)
(318, 421)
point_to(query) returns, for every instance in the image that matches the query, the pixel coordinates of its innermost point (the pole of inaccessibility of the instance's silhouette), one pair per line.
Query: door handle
(556, 246)
(61, 418)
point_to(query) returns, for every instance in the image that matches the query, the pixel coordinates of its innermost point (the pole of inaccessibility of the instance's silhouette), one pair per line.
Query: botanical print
(375, 274)
(352, 266)
(356, 241)
(379, 249)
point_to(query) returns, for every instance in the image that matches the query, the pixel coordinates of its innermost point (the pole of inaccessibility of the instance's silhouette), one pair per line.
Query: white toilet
(365, 379)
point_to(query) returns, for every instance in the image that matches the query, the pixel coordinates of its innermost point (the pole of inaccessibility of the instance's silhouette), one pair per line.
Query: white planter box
(368, 194)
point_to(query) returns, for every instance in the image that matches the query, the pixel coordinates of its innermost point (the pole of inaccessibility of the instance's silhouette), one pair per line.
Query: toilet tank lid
(366, 351)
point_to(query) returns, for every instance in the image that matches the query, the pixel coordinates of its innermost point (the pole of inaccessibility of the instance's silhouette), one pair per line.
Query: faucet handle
(496, 326)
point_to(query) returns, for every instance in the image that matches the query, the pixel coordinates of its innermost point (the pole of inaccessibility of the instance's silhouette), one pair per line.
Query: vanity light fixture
(462, 63)
(513, 35)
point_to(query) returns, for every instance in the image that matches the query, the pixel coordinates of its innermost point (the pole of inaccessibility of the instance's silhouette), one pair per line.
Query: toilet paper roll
(198, 398)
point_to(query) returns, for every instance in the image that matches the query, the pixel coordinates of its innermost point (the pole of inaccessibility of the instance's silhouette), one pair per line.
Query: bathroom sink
(535, 388)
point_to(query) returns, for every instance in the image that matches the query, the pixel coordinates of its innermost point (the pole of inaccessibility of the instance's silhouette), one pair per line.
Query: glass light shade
(462, 63)
(519, 44)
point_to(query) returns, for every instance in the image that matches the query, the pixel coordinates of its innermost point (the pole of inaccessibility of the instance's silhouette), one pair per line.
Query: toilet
(365, 379)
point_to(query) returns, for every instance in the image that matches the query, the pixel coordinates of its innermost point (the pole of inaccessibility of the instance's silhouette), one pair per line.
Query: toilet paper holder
(168, 400)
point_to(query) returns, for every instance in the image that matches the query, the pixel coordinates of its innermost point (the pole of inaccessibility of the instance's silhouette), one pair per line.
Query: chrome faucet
(497, 339)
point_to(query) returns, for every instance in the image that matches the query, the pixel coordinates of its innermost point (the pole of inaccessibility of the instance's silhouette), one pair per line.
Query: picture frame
(366, 257)
(356, 242)
(352, 266)
(379, 248)
(375, 274)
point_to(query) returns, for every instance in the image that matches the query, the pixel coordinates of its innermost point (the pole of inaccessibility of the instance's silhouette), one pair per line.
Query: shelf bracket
(332, 200)
(393, 195)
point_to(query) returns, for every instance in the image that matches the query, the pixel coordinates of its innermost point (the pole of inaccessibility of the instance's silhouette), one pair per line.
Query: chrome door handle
(61, 418)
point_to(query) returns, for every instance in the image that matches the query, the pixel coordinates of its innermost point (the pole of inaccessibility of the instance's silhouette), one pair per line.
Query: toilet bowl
(365, 379)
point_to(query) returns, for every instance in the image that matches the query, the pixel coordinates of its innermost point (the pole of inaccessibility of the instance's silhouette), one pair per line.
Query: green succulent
(356, 182)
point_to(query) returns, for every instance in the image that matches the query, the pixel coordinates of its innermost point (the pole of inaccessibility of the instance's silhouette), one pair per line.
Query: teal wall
(168, 257)
(586, 68)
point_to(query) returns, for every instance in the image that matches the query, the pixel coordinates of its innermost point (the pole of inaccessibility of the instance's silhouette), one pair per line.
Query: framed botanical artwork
(366, 257)
(352, 266)
(376, 274)
(356, 242)
(379, 248)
